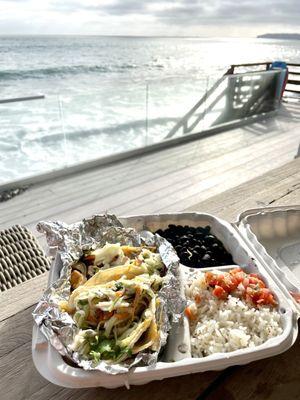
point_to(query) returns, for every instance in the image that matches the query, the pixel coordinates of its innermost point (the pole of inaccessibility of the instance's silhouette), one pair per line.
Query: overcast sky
(141, 17)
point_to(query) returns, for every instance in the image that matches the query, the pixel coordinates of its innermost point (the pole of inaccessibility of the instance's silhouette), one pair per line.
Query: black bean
(199, 236)
(209, 239)
(197, 247)
(207, 229)
(206, 257)
(195, 256)
(216, 247)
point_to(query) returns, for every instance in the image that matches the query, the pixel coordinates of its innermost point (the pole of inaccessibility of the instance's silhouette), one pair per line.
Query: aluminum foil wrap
(70, 241)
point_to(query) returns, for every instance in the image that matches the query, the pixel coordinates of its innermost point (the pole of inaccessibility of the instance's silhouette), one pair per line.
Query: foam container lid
(245, 240)
(274, 234)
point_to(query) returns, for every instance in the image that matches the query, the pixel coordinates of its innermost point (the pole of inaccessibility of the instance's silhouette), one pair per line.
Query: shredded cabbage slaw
(114, 302)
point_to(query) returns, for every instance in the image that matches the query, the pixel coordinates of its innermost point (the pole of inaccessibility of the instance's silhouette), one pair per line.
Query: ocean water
(105, 95)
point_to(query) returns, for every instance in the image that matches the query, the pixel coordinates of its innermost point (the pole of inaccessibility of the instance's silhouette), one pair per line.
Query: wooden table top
(274, 378)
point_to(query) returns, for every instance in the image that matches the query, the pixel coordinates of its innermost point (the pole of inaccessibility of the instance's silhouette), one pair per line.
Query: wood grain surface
(275, 378)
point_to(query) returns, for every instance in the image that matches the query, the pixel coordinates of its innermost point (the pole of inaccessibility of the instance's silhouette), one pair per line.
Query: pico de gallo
(237, 282)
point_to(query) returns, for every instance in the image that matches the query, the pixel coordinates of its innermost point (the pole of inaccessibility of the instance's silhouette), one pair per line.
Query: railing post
(62, 122)
(185, 127)
(147, 111)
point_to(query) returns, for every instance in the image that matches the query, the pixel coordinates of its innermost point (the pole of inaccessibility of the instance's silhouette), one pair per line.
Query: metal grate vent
(21, 257)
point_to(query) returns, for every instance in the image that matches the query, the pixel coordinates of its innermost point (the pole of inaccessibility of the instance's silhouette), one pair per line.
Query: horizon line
(129, 36)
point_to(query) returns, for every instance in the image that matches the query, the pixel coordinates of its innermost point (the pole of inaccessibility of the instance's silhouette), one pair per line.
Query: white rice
(222, 326)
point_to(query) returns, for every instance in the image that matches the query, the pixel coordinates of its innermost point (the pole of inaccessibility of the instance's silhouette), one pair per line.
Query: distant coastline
(285, 36)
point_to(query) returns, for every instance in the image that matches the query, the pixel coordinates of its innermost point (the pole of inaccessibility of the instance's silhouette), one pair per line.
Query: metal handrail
(28, 98)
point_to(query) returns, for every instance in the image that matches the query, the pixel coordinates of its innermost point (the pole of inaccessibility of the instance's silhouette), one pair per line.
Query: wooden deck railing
(186, 124)
(264, 63)
(293, 78)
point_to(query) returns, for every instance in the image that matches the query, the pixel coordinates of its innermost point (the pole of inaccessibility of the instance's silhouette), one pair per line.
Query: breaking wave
(61, 71)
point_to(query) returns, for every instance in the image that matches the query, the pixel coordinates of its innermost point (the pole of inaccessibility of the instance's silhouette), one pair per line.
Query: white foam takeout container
(261, 241)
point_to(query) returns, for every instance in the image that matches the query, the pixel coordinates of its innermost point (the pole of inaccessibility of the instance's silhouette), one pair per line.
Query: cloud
(125, 7)
(142, 17)
(230, 11)
(119, 8)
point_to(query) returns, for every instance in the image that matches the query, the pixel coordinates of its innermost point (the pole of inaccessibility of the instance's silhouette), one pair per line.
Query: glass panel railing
(29, 132)
(104, 122)
(44, 135)
(167, 101)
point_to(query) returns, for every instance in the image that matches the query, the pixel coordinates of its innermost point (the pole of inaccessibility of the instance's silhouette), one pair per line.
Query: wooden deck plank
(225, 182)
(279, 186)
(19, 324)
(121, 192)
(232, 172)
(189, 388)
(105, 177)
(137, 201)
(22, 296)
(158, 156)
(46, 392)
(18, 377)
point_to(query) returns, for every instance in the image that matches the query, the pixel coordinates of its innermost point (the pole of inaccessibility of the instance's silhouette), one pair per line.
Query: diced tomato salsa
(249, 286)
